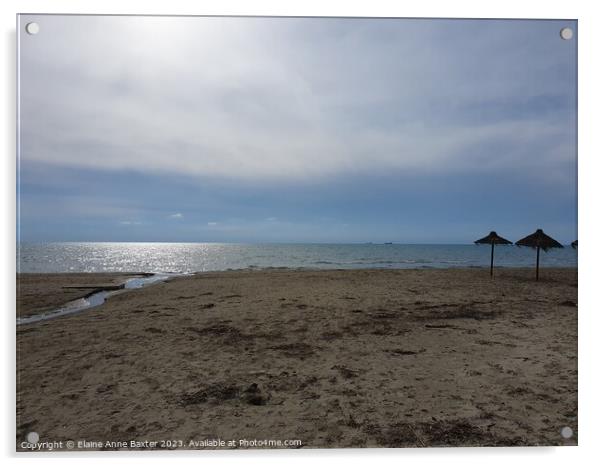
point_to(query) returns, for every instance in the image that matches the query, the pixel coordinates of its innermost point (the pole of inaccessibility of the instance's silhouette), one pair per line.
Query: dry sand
(363, 358)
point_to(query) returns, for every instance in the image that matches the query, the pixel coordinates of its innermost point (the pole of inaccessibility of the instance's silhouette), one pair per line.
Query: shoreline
(354, 358)
(51, 297)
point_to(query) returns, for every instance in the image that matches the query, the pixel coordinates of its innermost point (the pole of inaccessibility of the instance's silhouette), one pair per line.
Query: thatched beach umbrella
(539, 240)
(493, 239)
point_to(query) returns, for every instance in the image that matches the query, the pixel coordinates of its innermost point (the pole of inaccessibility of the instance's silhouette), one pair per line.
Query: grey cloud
(295, 98)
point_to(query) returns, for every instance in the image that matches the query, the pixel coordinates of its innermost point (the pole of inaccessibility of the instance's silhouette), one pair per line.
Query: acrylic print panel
(255, 232)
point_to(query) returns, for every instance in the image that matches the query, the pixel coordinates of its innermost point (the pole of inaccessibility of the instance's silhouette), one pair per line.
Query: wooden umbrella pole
(491, 266)
(537, 266)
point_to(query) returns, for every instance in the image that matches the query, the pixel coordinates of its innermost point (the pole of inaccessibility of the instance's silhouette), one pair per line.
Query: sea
(204, 257)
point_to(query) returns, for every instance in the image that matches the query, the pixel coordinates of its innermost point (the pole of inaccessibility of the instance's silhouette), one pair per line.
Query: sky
(183, 129)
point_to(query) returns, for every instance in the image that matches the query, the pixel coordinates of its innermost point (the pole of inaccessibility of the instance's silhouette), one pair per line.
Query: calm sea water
(198, 257)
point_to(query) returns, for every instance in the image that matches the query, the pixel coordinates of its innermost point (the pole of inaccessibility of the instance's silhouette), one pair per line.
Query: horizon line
(361, 243)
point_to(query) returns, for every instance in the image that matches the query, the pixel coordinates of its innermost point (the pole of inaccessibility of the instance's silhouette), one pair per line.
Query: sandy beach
(355, 358)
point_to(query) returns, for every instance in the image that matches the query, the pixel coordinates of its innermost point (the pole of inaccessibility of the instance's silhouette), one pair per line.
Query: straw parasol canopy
(539, 240)
(492, 238)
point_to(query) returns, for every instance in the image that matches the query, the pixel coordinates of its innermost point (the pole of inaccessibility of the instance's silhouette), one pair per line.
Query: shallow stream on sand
(95, 299)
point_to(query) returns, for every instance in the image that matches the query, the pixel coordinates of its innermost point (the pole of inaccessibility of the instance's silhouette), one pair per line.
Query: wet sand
(39, 292)
(363, 358)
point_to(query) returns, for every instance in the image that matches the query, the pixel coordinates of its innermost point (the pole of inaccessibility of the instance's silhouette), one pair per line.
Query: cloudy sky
(302, 130)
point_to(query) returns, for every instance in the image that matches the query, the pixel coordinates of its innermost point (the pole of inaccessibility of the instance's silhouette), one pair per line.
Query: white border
(590, 42)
